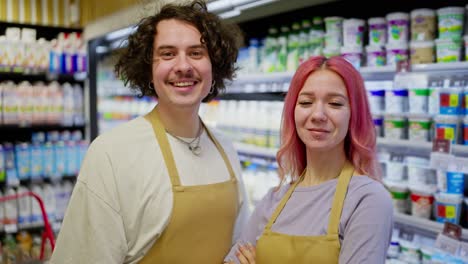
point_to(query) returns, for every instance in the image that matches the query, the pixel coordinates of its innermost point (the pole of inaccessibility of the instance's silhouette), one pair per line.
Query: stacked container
(450, 29)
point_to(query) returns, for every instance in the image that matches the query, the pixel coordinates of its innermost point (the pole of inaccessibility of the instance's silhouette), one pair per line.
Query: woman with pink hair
(331, 206)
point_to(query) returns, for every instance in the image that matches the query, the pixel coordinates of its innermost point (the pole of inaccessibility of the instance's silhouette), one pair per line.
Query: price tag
(441, 145)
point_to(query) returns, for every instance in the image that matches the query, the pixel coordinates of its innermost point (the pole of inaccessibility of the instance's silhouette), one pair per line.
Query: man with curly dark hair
(162, 188)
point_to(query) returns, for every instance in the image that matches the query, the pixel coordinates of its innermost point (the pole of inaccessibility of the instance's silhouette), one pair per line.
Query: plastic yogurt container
(450, 21)
(423, 24)
(375, 56)
(377, 31)
(397, 27)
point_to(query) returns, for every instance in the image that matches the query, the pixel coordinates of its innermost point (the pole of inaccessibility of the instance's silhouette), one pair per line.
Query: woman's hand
(245, 254)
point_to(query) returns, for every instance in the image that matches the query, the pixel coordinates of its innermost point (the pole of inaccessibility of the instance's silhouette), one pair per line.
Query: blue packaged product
(60, 159)
(48, 159)
(37, 162)
(71, 160)
(23, 161)
(53, 136)
(39, 137)
(2, 165)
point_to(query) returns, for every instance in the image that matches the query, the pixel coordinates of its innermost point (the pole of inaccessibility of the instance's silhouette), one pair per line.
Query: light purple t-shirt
(366, 221)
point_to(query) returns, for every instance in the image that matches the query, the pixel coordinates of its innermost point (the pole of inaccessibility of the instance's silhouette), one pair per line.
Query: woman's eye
(304, 103)
(336, 104)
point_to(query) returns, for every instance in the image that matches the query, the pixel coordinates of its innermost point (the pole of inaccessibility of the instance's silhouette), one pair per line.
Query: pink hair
(360, 142)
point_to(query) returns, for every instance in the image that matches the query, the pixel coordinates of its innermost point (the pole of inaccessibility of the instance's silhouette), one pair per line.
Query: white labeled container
(353, 54)
(378, 124)
(397, 27)
(450, 21)
(333, 32)
(377, 31)
(448, 50)
(447, 127)
(397, 52)
(353, 32)
(334, 24)
(376, 56)
(396, 100)
(451, 101)
(395, 126)
(422, 200)
(376, 96)
(418, 99)
(422, 52)
(448, 207)
(423, 24)
(419, 127)
(400, 196)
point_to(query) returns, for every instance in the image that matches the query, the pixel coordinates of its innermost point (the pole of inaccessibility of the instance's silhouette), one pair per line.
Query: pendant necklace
(194, 145)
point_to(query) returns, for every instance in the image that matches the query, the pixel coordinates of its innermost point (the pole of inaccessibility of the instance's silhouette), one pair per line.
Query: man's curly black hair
(134, 65)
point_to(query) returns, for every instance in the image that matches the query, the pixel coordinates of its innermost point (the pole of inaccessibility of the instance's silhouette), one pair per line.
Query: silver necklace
(194, 145)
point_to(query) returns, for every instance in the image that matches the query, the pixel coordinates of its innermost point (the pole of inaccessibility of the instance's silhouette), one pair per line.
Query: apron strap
(161, 136)
(283, 202)
(338, 199)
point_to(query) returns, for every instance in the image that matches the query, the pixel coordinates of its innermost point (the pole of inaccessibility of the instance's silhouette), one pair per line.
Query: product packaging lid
(353, 21)
(333, 18)
(426, 12)
(376, 20)
(451, 10)
(397, 16)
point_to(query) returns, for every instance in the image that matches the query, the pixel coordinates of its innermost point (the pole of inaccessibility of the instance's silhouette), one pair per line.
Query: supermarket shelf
(44, 77)
(422, 226)
(401, 146)
(369, 73)
(408, 147)
(248, 149)
(7, 128)
(265, 77)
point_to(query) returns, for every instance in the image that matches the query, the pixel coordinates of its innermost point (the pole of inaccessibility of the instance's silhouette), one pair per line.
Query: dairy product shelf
(369, 73)
(253, 150)
(422, 226)
(400, 146)
(408, 147)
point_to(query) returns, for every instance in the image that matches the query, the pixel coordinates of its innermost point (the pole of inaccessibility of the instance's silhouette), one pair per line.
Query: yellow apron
(276, 248)
(203, 216)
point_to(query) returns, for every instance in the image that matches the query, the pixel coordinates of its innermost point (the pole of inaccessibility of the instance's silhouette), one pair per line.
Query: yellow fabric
(276, 248)
(203, 216)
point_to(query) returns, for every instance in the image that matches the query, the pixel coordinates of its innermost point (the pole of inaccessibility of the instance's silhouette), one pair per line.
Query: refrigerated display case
(111, 102)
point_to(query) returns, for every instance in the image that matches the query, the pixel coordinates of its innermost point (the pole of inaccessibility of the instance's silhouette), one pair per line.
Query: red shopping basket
(47, 234)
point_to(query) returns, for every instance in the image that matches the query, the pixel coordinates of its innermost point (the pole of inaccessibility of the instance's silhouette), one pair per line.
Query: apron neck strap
(338, 199)
(283, 202)
(161, 137)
